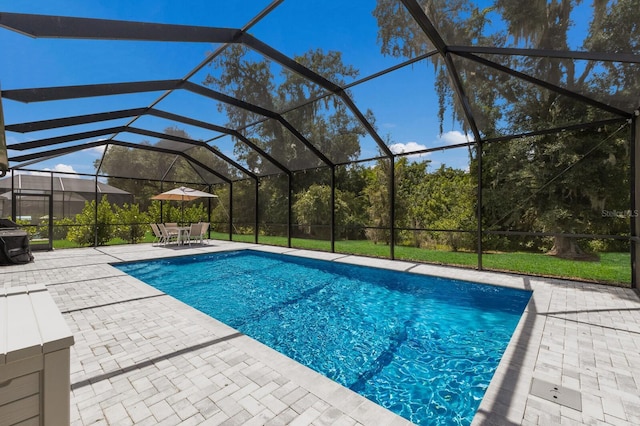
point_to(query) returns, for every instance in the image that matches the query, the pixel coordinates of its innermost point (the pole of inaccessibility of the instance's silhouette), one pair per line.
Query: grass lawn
(611, 268)
(63, 244)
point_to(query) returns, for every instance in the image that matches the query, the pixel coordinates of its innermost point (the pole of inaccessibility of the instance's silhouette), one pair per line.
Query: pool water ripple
(423, 347)
(385, 358)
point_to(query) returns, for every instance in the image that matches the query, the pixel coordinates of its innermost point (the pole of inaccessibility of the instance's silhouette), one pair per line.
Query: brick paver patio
(142, 357)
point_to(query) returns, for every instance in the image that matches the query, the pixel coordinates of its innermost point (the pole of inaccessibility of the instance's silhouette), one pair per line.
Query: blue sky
(403, 102)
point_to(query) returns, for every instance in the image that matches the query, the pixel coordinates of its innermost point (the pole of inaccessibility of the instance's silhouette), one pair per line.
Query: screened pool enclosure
(496, 135)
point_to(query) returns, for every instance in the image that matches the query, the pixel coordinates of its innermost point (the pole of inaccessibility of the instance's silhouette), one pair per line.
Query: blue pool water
(424, 347)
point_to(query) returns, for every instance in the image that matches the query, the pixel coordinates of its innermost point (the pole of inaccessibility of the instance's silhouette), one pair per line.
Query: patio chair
(197, 232)
(158, 237)
(168, 235)
(203, 230)
(194, 231)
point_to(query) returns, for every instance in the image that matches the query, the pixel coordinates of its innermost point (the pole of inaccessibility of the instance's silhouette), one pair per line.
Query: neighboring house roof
(63, 184)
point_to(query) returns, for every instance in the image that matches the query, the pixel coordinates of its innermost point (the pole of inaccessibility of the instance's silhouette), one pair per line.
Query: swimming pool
(423, 347)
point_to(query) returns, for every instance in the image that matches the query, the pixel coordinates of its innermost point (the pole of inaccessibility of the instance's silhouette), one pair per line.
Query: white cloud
(403, 148)
(58, 168)
(453, 137)
(96, 150)
(32, 173)
(64, 168)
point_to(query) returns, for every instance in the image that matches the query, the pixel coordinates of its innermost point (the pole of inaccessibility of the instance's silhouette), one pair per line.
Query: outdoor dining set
(167, 233)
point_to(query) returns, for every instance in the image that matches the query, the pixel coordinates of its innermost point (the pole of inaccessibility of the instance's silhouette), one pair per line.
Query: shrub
(83, 233)
(131, 223)
(61, 228)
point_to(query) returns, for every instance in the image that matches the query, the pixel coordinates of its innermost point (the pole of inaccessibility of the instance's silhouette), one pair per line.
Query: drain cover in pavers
(555, 393)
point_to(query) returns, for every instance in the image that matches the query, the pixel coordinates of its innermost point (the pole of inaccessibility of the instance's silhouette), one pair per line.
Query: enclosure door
(36, 209)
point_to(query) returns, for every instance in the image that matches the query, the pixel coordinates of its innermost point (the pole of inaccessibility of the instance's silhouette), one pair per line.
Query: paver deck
(142, 357)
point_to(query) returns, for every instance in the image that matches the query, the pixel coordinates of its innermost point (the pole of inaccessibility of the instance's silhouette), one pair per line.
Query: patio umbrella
(182, 194)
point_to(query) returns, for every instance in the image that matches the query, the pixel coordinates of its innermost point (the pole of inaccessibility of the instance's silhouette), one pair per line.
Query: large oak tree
(560, 182)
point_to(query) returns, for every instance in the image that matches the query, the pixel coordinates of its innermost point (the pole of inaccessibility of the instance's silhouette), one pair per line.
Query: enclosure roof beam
(72, 92)
(213, 94)
(40, 143)
(44, 94)
(573, 127)
(47, 26)
(115, 130)
(392, 68)
(546, 85)
(221, 129)
(105, 116)
(311, 75)
(430, 31)
(28, 163)
(44, 26)
(70, 149)
(211, 57)
(190, 142)
(569, 128)
(365, 123)
(40, 155)
(548, 53)
(425, 24)
(184, 155)
(268, 51)
(55, 123)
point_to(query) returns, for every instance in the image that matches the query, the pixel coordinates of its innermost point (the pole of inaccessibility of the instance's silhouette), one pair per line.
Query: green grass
(64, 244)
(613, 268)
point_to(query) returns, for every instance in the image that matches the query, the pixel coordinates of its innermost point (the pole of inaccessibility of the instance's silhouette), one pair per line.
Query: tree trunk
(567, 248)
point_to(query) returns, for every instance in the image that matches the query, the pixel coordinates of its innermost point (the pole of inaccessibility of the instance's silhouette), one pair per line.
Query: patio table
(182, 233)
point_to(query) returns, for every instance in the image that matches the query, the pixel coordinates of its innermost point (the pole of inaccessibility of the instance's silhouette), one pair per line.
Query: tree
(313, 211)
(379, 202)
(410, 178)
(434, 200)
(444, 200)
(557, 181)
(323, 120)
